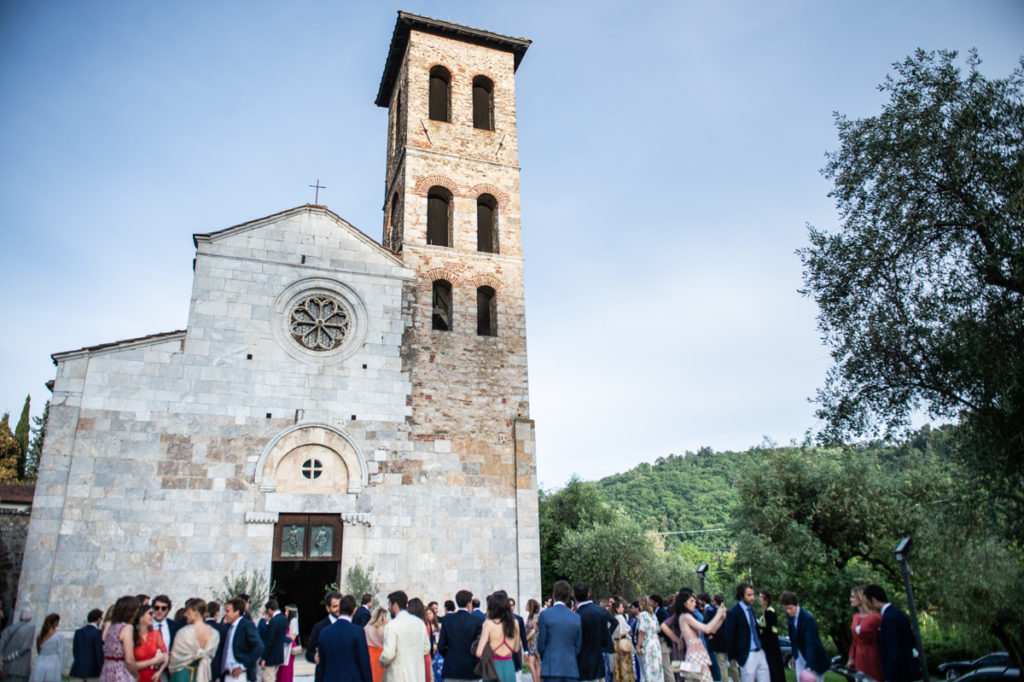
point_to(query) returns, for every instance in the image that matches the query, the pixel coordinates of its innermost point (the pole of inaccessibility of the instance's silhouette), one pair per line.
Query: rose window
(319, 322)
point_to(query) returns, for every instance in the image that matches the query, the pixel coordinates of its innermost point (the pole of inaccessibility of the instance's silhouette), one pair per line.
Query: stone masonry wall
(13, 532)
(469, 392)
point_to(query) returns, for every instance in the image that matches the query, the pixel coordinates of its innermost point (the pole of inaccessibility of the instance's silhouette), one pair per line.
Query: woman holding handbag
(684, 634)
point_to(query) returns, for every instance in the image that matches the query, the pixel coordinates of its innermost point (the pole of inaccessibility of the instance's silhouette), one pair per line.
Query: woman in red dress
(416, 608)
(150, 652)
(864, 650)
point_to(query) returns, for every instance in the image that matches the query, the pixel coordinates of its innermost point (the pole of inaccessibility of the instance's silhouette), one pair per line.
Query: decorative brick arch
(424, 183)
(484, 188)
(487, 281)
(445, 274)
(450, 70)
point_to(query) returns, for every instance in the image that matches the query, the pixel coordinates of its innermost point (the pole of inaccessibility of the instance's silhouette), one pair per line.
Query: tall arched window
(439, 216)
(486, 312)
(483, 103)
(486, 224)
(440, 91)
(391, 239)
(441, 315)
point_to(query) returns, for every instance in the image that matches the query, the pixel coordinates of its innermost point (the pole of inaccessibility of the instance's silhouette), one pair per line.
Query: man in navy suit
(741, 640)
(342, 648)
(165, 625)
(596, 626)
(362, 615)
(162, 622)
(332, 604)
(458, 630)
(803, 633)
(895, 638)
(240, 645)
(273, 640)
(559, 638)
(87, 648)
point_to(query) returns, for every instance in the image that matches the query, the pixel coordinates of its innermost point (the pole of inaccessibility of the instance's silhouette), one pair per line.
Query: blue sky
(670, 156)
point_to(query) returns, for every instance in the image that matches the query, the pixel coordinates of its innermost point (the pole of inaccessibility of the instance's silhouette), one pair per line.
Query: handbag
(484, 668)
(686, 669)
(624, 646)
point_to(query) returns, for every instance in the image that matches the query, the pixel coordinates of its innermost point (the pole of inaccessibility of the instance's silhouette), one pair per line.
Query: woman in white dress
(49, 665)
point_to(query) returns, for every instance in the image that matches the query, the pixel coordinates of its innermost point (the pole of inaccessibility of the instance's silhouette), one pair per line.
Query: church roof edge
(400, 39)
(150, 338)
(250, 224)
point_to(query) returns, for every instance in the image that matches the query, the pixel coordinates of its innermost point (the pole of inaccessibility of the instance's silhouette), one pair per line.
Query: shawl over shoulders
(186, 649)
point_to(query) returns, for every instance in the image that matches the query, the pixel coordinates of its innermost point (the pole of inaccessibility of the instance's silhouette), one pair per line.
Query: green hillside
(680, 494)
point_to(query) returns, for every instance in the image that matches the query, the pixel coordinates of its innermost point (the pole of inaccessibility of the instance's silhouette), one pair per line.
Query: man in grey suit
(559, 638)
(16, 648)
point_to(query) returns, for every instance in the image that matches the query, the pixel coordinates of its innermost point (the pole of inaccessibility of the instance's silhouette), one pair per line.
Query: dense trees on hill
(816, 520)
(679, 495)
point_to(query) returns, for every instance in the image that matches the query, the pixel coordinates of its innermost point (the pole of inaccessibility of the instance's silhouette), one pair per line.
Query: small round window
(312, 468)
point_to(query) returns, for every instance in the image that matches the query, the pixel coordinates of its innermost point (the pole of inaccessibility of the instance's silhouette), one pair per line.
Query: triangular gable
(210, 237)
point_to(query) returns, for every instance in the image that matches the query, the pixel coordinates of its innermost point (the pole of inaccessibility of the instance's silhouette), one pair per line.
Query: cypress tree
(21, 436)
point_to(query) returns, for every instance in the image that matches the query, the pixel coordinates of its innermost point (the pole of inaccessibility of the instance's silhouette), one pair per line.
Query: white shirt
(165, 632)
(229, 650)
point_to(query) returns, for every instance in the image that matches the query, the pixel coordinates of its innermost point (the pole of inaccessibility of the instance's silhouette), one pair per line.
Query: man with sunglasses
(161, 622)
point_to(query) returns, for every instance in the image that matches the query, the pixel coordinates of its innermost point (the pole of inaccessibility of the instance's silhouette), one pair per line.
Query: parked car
(954, 669)
(787, 651)
(999, 673)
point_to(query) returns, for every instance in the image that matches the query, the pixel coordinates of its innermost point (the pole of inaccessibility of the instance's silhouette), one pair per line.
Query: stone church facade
(334, 402)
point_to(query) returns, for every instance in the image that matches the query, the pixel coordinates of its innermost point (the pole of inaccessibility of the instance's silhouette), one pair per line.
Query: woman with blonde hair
(194, 646)
(648, 646)
(375, 640)
(864, 656)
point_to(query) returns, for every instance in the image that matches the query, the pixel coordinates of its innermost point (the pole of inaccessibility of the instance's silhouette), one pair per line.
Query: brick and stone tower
(452, 213)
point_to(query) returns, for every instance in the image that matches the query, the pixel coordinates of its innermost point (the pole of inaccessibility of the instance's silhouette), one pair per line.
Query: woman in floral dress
(119, 643)
(687, 629)
(532, 657)
(647, 644)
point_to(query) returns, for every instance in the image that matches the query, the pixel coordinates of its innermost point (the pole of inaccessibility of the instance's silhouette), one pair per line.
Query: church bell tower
(452, 213)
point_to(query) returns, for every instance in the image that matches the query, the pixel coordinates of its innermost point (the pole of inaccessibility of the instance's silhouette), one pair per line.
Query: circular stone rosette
(319, 320)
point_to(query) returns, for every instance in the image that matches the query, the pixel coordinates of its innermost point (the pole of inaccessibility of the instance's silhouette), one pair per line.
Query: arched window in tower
(487, 224)
(486, 312)
(483, 103)
(441, 317)
(439, 216)
(440, 91)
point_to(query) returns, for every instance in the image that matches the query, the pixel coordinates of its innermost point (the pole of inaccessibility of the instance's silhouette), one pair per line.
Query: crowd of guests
(571, 637)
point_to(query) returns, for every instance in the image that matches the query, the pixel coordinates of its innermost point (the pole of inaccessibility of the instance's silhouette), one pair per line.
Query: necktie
(753, 628)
